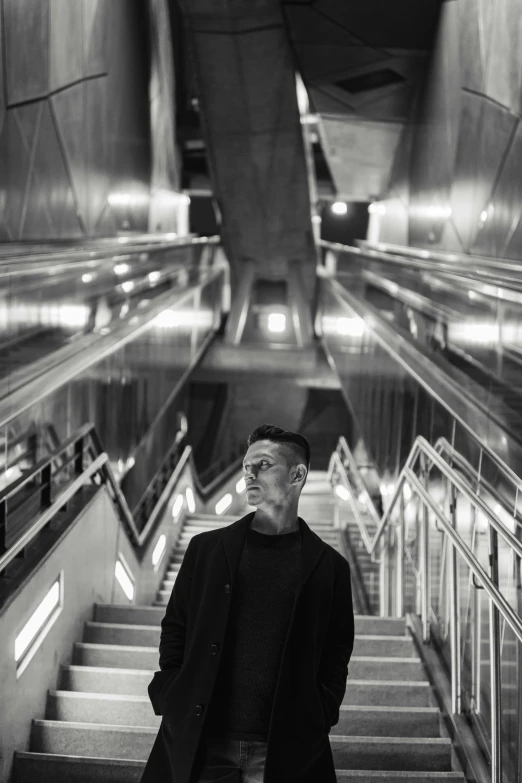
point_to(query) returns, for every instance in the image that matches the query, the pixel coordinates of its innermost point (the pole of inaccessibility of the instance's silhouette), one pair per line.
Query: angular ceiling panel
(402, 24)
(471, 45)
(2, 83)
(503, 73)
(69, 111)
(26, 49)
(309, 24)
(321, 62)
(95, 37)
(497, 233)
(65, 43)
(360, 155)
(485, 130)
(15, 156)
(51, 209)
(99, 151)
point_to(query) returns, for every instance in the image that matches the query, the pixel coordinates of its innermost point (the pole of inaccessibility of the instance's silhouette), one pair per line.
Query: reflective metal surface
(124, 377)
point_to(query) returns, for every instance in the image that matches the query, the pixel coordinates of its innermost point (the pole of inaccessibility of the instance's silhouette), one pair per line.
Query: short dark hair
(296, 444)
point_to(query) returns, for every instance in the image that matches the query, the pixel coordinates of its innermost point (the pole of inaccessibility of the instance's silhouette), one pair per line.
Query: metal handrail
(422, 446)
(499, 608)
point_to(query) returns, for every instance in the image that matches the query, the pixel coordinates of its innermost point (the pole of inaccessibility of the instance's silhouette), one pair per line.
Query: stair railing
(392, 540)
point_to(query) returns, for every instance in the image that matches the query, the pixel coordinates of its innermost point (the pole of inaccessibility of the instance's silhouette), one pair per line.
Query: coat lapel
(234, 538)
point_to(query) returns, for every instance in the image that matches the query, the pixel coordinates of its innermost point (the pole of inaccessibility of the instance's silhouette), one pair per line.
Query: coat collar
(312, 550)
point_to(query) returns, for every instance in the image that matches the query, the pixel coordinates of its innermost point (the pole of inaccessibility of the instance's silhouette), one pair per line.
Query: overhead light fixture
(339, 208)
(276, 322)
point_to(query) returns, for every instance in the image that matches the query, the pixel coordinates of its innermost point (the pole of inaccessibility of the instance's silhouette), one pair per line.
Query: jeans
(233, 761)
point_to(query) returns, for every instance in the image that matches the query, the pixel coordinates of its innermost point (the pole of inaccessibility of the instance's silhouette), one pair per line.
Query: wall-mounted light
(177, 506)
(191, 503)
(240, 486)
(86, 278)
(121, 269)
(159, 549)
(339, 208)
(377, 209)
(31, 636)
(224, 503)
(127, 286)
(342, 492)
(124, 577)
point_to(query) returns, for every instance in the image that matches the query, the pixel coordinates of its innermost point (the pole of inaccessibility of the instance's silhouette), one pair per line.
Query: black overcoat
(314, 664)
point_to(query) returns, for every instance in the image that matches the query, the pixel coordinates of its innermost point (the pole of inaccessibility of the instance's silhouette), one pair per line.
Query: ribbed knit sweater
(261, 606)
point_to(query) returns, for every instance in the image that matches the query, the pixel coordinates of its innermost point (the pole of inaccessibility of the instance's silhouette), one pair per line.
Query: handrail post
(454, 602)
(494, 656)
(424, 559)
(383, 575)
(78, 457)
(45, 483)
(400, 544)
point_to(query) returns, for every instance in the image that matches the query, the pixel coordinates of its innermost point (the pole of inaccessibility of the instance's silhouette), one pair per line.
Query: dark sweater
(261, 605)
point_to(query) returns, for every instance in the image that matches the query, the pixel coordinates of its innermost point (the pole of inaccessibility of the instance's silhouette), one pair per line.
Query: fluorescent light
(276, 322)
(177, 506)
(224, 503)
(339, 208)
(37, 620)
(127, 286)
(121, 269)
(170, 319)
(124, 580)
(484, 215)
(87, 278)
(240, 486)
(191, 503)
(159, 549)
(342, 492)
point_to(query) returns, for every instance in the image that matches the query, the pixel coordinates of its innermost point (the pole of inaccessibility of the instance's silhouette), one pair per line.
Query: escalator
(91, 719)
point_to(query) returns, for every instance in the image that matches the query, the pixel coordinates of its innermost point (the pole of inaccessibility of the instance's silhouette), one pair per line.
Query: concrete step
(390, 669)
(107, 708)
(104, 679)
(116, 656)
(382, 645)
(390, 693)
(120, 633)
(379, 776)
(362, 721)
(131, 615)
(91, 739)
(401, 754)
(31, 767)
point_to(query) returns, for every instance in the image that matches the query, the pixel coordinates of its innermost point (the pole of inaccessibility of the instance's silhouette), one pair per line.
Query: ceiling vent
(371, 81)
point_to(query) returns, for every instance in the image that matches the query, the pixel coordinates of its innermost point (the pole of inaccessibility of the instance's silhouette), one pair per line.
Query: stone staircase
(100, 726)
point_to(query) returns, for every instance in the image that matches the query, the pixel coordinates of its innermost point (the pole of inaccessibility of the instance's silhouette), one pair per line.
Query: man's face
(267, 475)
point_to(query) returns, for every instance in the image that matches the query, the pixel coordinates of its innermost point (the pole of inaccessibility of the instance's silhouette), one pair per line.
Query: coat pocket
(159, 686)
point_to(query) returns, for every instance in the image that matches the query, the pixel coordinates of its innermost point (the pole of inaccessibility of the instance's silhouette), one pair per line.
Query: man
(256, 639)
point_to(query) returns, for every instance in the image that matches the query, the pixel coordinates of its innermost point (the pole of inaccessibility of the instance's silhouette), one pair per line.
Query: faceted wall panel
(76, 124)
(26, 49)
(465, 170)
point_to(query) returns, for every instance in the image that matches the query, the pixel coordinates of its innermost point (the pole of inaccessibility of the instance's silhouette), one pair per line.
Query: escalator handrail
(35, 390)
(72, 256)
(510, 284)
